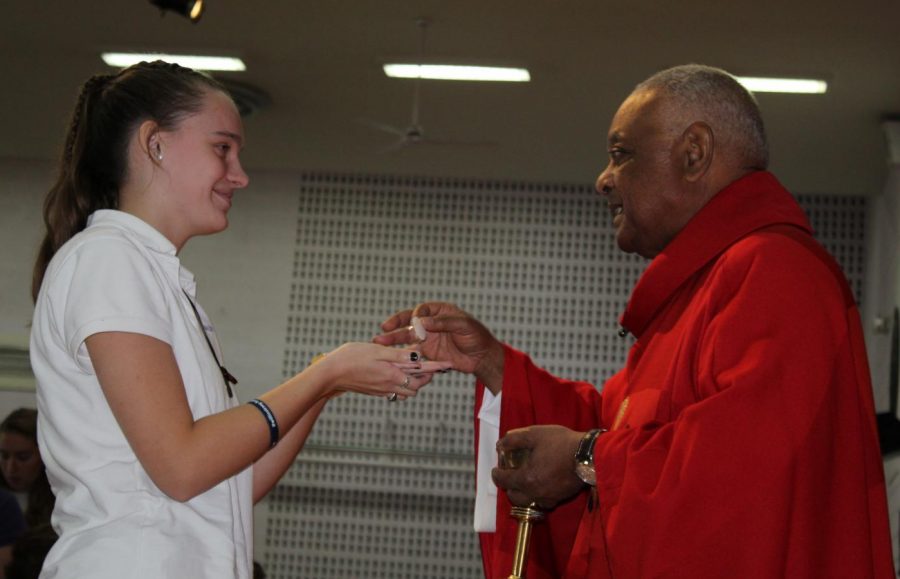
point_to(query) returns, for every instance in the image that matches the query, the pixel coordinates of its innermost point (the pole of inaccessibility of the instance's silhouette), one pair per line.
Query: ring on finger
(392, 397)
(405, 384)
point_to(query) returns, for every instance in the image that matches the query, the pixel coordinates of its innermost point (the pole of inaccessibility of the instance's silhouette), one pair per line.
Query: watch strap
(585, 452)
(584, 457)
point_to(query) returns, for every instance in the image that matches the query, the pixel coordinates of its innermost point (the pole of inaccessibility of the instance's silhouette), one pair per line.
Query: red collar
(750, 203)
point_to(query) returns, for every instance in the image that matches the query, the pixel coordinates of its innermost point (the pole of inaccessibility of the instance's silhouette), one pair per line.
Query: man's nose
(604, 182)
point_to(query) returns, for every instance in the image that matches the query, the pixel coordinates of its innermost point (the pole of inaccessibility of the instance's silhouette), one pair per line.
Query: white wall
(883, 282)
(882, 295)
(22, 189)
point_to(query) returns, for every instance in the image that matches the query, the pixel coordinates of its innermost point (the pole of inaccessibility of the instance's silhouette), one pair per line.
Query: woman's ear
(699, 145)
(150, 141)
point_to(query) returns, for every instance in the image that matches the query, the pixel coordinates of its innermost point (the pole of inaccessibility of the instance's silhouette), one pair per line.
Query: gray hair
(721, 101)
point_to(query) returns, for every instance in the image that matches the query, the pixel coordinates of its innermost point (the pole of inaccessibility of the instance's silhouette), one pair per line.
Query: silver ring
(392, 397)
(405, 383)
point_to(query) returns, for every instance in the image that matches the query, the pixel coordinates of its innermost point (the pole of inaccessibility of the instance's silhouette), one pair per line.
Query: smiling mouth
(226, 196)
(615, 209)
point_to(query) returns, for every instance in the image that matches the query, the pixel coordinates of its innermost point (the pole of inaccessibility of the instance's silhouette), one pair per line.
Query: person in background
(154, 462)
(21, 468)
(29, 552)
(258, 571)
(12, 525)
(739, 439)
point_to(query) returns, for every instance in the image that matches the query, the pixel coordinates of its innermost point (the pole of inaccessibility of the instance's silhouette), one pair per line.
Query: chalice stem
(526, 516)
(523, 537)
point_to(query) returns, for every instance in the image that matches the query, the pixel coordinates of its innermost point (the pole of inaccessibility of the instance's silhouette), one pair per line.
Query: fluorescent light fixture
(786, 85)
(124, 59)
(457, 72)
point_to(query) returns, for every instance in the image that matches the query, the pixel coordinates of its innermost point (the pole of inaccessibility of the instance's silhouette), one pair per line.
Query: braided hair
(94, 164)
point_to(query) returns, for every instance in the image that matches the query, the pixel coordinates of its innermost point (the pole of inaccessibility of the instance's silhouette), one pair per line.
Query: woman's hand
(377, 370)
(449, 334)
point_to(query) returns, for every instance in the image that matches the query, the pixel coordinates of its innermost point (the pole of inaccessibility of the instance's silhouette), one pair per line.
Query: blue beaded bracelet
(270, 420)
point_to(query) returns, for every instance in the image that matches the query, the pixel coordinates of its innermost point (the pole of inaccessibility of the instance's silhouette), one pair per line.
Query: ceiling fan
(414, 133)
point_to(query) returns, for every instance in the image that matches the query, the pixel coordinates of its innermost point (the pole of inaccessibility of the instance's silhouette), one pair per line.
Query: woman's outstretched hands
(376, 370)
(443, 331)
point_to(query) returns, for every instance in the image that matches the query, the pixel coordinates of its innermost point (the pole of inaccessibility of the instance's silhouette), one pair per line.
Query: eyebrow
(614, 137)
(233, 136)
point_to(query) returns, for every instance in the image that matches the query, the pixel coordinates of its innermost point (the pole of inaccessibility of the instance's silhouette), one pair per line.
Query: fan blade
(383, 127)
(458, 143)
(395, 146)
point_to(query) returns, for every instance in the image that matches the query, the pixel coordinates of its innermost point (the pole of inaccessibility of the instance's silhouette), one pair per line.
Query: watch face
(586, 473)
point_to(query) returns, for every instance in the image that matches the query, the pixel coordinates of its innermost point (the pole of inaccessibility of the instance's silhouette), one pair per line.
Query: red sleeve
(531, 395)
(774, 472)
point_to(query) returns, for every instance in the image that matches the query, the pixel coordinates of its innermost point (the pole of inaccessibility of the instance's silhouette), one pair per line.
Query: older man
(739, 440)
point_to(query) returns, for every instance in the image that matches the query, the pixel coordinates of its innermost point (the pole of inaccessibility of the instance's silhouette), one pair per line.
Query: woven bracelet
(270, 420)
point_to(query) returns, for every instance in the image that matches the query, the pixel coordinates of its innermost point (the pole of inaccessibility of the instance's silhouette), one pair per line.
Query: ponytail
(93, 165)
(69, 202)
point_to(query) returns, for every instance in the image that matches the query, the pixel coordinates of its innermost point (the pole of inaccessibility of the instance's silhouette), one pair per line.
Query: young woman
(145, 444)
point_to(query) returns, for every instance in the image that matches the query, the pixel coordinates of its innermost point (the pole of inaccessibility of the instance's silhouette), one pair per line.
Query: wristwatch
(584, 457)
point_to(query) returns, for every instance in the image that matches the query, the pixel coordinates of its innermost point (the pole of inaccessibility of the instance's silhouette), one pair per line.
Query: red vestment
(742, 439)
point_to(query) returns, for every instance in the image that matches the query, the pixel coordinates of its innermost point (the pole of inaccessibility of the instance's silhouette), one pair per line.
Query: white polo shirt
(120, 274)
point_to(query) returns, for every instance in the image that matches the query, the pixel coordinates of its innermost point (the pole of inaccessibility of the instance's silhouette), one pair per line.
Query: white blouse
(120, 274)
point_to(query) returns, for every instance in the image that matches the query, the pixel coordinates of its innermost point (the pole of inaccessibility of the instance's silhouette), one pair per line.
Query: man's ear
(150, 141)
(699, 144)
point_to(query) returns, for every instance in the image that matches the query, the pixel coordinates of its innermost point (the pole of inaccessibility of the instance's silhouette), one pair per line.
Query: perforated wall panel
(385, 490)
(839, 223)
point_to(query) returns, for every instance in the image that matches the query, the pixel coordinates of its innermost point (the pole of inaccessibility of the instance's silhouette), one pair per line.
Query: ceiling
(319, 62)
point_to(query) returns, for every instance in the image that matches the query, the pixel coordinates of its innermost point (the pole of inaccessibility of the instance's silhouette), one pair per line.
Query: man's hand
(451, 335)
(547, 476)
